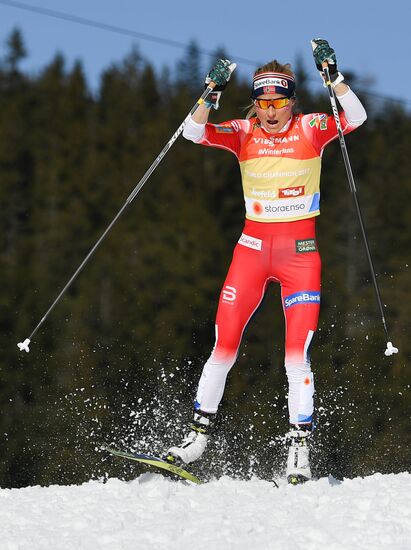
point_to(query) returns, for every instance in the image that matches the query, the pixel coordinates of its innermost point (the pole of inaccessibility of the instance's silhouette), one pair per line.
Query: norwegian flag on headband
(273, 83)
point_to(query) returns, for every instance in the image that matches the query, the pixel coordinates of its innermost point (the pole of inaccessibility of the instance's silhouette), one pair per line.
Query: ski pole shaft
(390, 349)
(25, 345)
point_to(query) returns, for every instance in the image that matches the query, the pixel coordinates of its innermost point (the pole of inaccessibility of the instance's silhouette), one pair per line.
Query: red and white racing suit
(281, 185)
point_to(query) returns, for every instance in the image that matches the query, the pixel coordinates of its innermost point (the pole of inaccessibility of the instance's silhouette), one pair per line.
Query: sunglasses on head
(276, 103)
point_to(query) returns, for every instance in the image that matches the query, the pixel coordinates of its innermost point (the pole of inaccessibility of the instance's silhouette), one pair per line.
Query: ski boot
(298, 462)
(195, 442)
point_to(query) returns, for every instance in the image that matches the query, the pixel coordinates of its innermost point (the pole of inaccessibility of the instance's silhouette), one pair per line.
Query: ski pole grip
(232, 67)
(327, 80)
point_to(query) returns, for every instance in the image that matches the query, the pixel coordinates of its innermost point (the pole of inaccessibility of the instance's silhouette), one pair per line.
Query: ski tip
(24, 346)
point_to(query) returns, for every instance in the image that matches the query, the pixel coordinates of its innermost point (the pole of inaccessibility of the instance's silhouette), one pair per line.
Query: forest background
(118, 359)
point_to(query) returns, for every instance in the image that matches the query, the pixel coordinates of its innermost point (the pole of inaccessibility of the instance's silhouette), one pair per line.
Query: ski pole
(25, 344)
(390, 348)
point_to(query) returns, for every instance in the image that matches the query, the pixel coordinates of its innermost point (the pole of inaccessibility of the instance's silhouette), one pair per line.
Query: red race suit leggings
(282, 252)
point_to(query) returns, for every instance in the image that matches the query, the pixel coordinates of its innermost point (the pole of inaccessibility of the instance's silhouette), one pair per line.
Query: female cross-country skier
(280, 160)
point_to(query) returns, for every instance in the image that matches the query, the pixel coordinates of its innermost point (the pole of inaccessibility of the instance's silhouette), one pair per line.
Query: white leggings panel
(300, 392)
(212, 383)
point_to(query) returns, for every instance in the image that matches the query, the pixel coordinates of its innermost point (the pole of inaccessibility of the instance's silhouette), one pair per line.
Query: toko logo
(291, 192)
(303, 297)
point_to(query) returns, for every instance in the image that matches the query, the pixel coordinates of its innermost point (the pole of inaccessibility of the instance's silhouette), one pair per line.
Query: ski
(156, 462)
(181, 473)
(297, 479)
(300, 480)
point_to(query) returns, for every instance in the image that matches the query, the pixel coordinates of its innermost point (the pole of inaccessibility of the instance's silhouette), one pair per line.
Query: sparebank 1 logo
(303, 297)
(229, 294)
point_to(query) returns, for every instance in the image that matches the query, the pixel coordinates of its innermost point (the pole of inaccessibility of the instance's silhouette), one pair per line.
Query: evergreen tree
(16, 51)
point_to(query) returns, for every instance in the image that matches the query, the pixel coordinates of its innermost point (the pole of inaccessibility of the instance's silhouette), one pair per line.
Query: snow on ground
(153, 512)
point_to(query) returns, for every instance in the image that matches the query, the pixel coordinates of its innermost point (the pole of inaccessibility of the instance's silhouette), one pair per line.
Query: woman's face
(274, 118)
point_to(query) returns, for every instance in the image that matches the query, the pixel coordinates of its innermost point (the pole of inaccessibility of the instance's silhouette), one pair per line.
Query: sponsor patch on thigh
(250, 242)
(302, 297)
(305, 245)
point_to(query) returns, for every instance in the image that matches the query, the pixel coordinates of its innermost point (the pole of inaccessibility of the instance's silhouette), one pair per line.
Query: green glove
(220, 74)
(322, 52)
